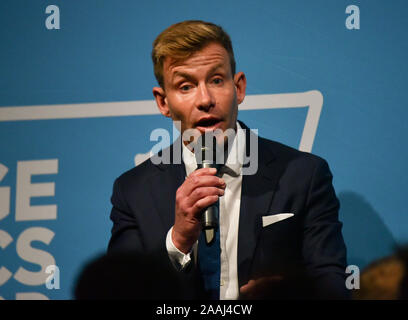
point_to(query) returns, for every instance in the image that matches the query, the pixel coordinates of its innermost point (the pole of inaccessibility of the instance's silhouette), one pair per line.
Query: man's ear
(161, 101)
(240, 85)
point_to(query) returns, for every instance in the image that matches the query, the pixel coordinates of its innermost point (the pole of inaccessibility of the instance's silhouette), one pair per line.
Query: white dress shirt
(229, 209)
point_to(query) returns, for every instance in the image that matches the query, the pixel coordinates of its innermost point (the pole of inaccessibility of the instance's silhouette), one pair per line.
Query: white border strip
(313, 99)
(82, 110)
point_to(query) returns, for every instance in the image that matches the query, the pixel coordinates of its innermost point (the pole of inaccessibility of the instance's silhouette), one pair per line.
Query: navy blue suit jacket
(287, 181)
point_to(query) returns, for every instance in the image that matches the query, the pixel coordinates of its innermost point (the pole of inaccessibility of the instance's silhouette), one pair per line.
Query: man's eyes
(185, 87)
(217, 80)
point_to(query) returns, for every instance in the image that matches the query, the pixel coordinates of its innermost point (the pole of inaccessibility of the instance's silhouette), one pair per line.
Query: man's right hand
(201, 189)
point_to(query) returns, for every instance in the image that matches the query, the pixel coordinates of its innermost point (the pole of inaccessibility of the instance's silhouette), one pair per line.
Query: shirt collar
(235, 158)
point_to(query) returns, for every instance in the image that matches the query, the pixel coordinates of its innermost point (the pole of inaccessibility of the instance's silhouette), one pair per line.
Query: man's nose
(205, 98)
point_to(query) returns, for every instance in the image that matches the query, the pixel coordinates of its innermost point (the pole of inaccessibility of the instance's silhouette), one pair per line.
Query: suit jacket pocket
(281, 232)
(278, 247)
(275, 218)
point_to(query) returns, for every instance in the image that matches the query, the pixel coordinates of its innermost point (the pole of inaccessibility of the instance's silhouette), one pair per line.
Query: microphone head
(205, 150)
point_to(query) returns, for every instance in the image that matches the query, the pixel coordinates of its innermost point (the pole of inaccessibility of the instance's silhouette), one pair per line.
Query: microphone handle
(209, 216)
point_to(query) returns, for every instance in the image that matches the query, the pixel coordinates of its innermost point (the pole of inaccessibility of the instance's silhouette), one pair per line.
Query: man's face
(201, 91)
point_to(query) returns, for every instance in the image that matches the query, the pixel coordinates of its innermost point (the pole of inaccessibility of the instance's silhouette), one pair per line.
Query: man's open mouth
(208, 122)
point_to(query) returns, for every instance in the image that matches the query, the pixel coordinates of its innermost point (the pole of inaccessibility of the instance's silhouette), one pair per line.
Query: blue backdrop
(57, 169)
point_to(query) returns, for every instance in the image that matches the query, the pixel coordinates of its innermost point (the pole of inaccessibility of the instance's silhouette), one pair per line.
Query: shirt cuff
(179, 259)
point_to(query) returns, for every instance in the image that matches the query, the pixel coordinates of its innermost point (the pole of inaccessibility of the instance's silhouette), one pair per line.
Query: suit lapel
(256, 196)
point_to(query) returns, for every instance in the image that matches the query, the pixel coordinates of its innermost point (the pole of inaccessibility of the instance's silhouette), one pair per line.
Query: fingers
(247, 287)
(204, 203)
(203, 193)
(203, 171)
(258, 288)
(201, 189)
(204, 177)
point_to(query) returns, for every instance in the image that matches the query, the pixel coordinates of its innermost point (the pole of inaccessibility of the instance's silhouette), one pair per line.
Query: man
(283, 217)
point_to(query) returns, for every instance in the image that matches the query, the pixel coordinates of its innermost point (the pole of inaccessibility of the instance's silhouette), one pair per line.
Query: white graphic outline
(312, 99)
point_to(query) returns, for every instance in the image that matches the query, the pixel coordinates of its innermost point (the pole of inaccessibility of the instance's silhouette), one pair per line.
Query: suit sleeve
(323, 249)
(125, 231)
(127, 237)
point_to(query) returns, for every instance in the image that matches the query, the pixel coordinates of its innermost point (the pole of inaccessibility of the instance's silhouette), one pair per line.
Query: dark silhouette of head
(385, 278)
(128, 276)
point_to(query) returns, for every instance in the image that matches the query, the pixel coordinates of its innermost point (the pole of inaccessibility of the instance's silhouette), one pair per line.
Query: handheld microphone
(207, 153)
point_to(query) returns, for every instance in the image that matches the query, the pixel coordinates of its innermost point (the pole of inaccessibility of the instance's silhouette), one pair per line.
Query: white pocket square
(267, 220)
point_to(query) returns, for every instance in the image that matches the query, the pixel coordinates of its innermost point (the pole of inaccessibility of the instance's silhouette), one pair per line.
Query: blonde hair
(182, 39)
